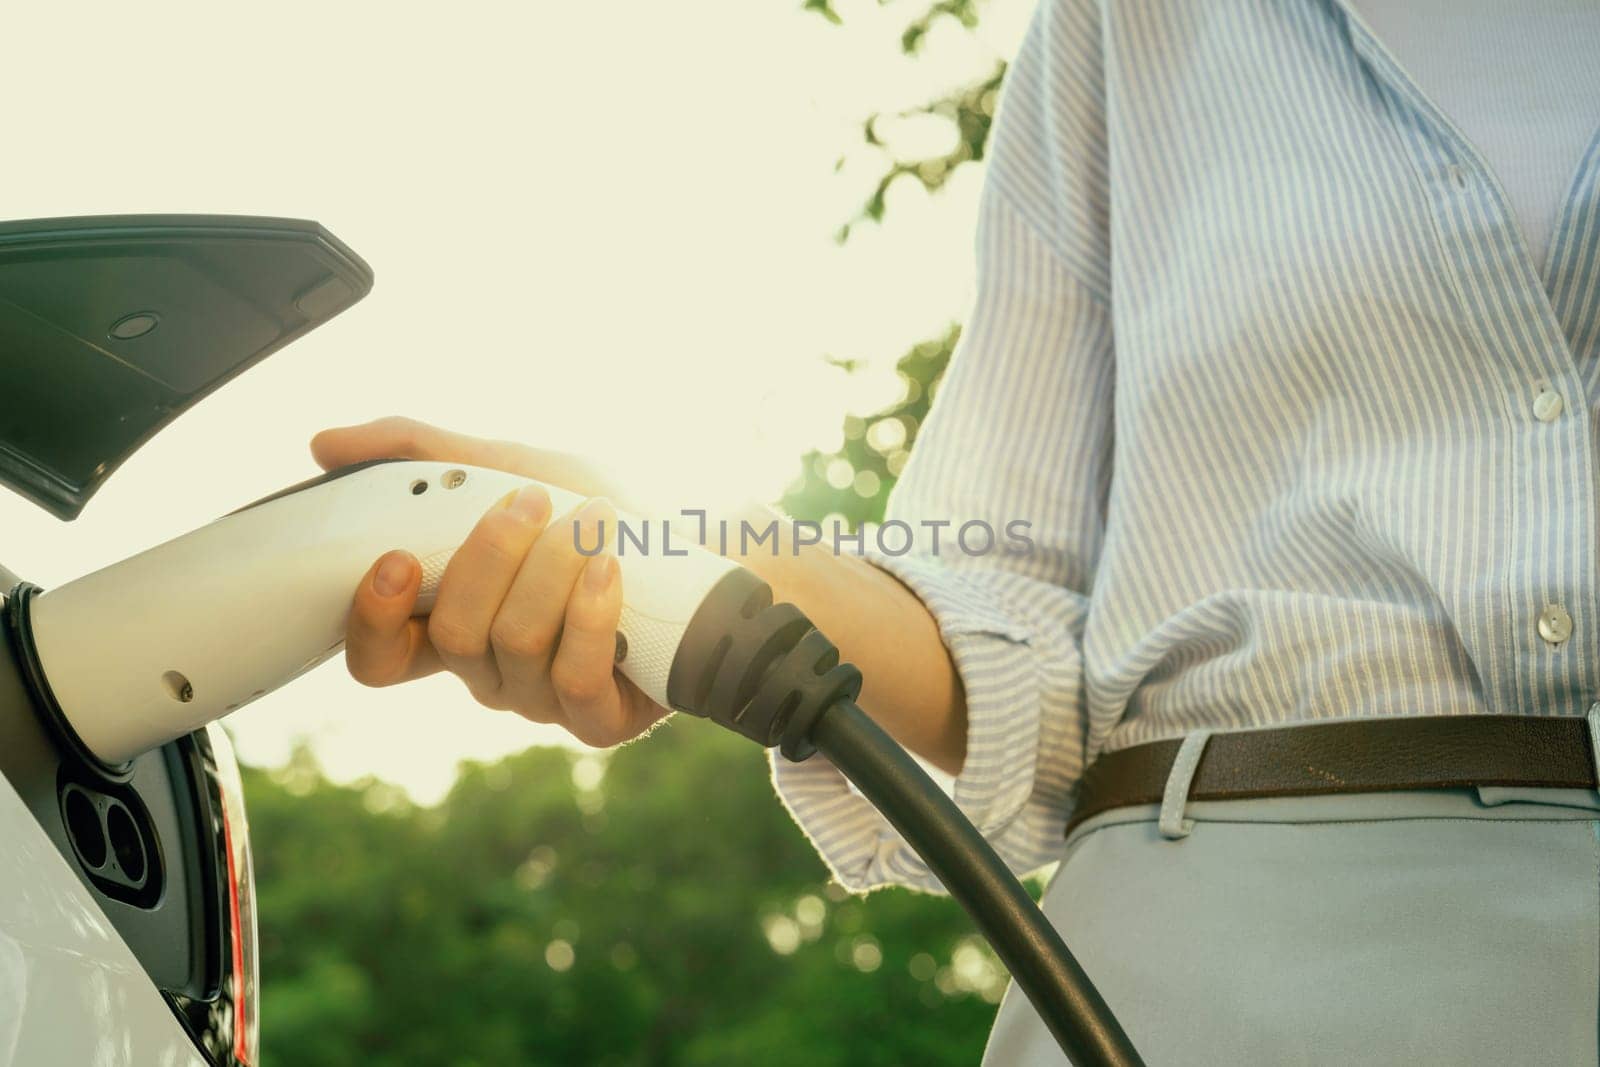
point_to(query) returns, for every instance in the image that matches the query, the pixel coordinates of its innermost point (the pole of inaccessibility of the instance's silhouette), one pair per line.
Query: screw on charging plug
(178, 687)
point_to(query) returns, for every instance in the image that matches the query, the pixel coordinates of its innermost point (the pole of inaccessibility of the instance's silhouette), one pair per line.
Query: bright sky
(600, 226)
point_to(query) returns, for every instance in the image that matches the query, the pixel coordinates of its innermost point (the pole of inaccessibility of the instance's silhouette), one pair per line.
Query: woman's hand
(530, 624)
(524, 619)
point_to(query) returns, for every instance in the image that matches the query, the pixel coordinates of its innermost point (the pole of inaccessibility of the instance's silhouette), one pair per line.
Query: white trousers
(1448, 927)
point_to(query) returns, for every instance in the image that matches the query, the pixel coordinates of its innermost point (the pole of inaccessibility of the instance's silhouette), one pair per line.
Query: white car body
(71, 991)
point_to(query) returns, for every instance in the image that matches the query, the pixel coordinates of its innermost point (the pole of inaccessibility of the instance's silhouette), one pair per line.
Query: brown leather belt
(1351, 756)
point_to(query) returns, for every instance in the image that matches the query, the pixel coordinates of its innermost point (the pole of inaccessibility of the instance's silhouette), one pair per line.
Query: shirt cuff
(1000, 674)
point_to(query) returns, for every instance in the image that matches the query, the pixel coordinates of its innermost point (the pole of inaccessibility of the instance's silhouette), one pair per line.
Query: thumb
(402, 438)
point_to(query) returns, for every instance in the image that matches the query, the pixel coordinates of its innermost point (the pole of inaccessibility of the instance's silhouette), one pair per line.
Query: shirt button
(1457, 176)
(1555, 625)
(1547, 405)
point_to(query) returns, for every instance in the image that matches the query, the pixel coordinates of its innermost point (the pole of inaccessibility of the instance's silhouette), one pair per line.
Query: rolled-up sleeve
(1019, 440)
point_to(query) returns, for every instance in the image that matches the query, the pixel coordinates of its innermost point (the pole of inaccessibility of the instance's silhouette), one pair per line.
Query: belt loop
(1594, 740)
(1172, 823)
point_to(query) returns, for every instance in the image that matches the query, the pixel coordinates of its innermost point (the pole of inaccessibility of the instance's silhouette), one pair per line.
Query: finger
(529, 625)
(583, 672)
(384, 645)
(476, 581)
(402, 438)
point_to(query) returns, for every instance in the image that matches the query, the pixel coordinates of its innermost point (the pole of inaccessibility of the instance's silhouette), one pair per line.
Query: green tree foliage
(663, 911)
(853, 483)
(969, 109)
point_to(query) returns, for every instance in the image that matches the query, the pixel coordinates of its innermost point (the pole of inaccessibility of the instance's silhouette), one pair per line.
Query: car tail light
(240, 988)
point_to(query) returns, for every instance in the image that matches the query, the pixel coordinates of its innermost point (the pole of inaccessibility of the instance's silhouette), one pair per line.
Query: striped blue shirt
(1302, 430)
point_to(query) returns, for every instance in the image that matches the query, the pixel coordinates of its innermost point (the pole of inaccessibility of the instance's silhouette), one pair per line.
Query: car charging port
(88, 835)
(113, 838)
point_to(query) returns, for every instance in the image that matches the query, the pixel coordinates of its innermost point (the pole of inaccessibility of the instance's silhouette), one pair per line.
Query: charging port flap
(112, 326)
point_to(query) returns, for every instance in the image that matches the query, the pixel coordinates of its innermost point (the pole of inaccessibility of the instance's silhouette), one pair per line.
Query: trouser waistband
(1371, 755)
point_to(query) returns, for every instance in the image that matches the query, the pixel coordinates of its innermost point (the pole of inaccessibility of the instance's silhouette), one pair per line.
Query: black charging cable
(762, 670)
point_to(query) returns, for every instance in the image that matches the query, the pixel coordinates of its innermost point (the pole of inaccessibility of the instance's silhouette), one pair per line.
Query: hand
(525, 620)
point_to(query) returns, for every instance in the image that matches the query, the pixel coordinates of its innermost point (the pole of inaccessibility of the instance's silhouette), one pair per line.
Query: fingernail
(598, 571)
(531, 504)
(591, 515)
(393, 574)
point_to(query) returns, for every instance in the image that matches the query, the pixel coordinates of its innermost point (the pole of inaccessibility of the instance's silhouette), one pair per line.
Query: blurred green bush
(650, 906)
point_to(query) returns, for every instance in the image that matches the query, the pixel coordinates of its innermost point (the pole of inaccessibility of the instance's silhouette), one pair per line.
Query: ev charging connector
(149, 649)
